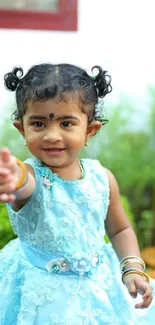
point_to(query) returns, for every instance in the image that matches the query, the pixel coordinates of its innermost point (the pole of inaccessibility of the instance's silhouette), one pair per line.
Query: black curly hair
(46, 81)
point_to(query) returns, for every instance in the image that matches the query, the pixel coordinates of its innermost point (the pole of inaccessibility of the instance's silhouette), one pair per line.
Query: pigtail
(12, 79)
(102, 82)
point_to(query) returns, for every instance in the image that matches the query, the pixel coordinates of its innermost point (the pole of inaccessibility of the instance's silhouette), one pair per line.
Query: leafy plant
(6, 232)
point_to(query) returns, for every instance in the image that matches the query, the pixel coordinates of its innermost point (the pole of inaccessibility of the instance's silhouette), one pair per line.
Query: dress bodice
(64, 215)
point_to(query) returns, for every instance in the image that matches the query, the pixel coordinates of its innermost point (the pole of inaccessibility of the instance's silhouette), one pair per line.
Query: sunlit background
(119, 36)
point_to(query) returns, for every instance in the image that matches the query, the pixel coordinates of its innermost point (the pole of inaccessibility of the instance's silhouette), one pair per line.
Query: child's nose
(52, 136)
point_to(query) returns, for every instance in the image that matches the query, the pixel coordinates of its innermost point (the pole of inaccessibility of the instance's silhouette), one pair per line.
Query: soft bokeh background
(119, 36)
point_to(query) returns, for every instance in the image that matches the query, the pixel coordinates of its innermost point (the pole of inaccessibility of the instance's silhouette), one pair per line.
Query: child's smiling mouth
(54, 151)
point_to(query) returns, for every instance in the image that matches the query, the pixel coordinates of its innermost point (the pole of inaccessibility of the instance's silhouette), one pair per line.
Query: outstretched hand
(8, 175)
(135, 284)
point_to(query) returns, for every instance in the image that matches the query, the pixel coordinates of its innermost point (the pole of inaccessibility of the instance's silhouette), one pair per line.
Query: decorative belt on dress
(58, 263)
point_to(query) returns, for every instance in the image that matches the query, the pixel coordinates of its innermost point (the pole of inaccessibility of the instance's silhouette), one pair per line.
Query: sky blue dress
(60, 271)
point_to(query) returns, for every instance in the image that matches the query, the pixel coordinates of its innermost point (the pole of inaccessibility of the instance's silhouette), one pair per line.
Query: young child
(60, 271)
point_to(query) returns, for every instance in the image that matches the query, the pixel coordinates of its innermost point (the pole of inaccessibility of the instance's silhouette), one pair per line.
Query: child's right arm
(10, 175)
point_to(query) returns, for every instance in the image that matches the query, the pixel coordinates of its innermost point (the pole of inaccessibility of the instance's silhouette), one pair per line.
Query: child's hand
(135, 284)
(8, 175)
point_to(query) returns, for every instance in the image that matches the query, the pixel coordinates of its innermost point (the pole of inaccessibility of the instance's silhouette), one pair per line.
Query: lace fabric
(65, 218)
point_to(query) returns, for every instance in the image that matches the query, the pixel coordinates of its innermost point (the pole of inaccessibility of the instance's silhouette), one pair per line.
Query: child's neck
(73, 171)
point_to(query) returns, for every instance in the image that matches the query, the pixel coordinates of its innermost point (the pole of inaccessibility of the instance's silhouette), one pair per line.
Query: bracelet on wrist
(135, 271)
(23, 180)
(130, 262)
(131, 259)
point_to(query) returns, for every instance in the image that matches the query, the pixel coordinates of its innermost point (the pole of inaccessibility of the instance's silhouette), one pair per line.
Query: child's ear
(19, 126)
(92, 128)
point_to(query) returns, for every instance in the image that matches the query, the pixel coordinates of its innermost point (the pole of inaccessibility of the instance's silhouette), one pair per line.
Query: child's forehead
(51, 108)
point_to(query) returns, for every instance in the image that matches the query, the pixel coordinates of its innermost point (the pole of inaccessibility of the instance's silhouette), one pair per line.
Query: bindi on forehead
(51, 116)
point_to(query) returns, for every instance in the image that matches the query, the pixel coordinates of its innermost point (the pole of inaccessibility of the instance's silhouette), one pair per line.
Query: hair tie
(12, 79)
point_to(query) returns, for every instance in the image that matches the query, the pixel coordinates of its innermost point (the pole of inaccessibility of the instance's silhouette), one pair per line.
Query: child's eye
(38, 124)
(66, 124)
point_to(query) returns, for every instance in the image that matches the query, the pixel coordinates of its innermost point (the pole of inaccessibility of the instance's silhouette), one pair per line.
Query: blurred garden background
(118, 35)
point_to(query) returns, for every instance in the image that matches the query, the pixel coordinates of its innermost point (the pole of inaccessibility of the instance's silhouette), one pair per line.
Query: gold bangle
(129, 257)
(23, 178)
(130, 261)
(136, 272)
(135, 259)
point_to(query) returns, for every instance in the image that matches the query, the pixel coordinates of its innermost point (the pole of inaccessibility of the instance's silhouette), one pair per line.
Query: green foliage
(12, 139)
(146, 226)
(128, 211)
(6, 232)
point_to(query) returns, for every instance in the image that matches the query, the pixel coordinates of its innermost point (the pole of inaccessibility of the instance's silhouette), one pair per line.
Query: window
(36, 5)
(39, 14)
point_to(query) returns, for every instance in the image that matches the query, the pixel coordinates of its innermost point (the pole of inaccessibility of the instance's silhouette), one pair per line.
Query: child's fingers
(145, 303)
(146, 290)
(130, 284)
(7, 198)
(5, 176)
(7, 160)
(5, 155)
(4, 171)
(7, 188)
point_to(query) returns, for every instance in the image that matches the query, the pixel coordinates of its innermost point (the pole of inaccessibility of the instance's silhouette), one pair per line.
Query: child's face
(55, 131)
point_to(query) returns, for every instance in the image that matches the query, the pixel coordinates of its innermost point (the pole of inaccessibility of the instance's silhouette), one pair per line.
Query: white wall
(117, 34)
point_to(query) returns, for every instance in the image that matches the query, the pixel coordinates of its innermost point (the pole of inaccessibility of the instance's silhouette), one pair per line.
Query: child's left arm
(125, 243)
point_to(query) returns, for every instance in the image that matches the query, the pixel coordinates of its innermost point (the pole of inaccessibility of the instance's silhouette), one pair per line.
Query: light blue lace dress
(60, 271)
